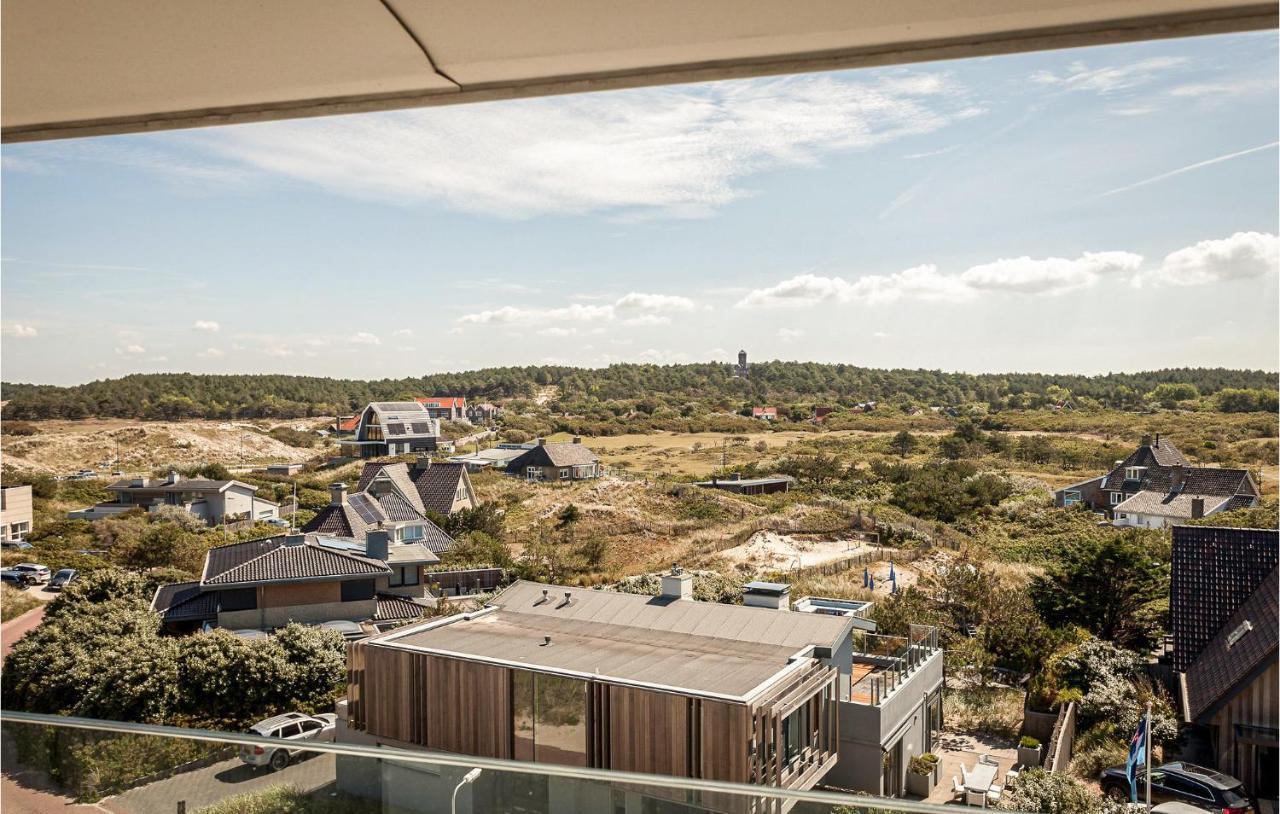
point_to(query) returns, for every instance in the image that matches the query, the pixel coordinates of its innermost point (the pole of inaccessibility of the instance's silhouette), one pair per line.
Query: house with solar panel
(392, 428)
(356, 587)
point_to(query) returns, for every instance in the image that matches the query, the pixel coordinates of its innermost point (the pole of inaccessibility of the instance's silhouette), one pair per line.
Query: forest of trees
(184, 395)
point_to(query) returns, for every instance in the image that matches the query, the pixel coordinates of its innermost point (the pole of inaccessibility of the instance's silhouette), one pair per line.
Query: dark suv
(1183, 783)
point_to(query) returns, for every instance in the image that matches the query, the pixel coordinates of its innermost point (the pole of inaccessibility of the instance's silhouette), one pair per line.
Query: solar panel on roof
(422, 428)
(395, 429)
(364, 509)
(338, 544)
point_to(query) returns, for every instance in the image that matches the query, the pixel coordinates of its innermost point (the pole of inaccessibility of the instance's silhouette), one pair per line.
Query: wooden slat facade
(466, 707)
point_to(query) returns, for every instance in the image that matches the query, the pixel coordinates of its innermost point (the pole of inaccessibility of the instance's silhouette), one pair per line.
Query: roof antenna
(546, 640)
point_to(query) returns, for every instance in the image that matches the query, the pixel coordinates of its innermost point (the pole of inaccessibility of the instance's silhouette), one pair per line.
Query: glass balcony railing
(882, 664)
(144, 769)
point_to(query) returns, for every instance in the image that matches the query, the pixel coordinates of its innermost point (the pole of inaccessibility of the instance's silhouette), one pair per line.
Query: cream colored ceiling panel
(499, 42)
(70, 60)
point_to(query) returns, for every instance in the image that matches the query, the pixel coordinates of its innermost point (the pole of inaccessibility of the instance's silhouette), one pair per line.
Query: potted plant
(1029, 751)
(922, 774)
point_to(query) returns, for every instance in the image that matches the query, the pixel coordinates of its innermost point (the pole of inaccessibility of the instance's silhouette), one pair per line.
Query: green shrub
(1039, 791)
(923, 765)
(1029, 742)
(14, 603)
(289, 800)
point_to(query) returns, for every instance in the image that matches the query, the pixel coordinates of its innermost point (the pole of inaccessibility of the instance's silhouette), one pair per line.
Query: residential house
(445, 408)
(765, 413)
(1223, 613)
(284, 469)
(748, 486)
(496, 458)
(15, 512)
(1155, 486)
(484, 413)
(820, 413)
(891, 709)
(555, 674)
(307, 578)
(346, 424)
(397, 510)
(442, 487)
(213, 501)
(559, 462)
(392, 428)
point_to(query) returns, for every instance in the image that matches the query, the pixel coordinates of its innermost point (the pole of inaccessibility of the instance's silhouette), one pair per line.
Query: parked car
(18, 579)
(1181, 782)
(39, 573)
(15, 545)
(291, 726)
(62, 579)
(279, 522)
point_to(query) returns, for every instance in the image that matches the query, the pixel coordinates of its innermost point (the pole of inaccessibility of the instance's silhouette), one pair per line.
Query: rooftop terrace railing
(896, 659)
(148, 769)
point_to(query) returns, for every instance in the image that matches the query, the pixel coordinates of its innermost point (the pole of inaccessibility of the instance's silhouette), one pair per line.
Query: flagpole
(1148, 751)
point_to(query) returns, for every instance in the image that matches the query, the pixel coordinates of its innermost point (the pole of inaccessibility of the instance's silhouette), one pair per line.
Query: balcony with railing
(884, 665)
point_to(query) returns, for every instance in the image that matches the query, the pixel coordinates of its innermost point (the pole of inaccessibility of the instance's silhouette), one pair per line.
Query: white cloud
(278, 351)
(210, 353)
(1052, 275)
(654, 304)
(158, 359)
(788, 334)
(681, 151)
(647, 321)
(364, 338)
(207, 325)
(131, 350)
(1242, 256)
(1109, 79)
(920, 282)
(405, 348)
(1022, 275)
(633, 309)
(558, 331)
(880, 335)
(1190, 167)
(316, 343)
(20, 331)
(403, 332)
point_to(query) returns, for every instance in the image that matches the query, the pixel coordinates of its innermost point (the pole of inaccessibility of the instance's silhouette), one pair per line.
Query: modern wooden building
(660, 685)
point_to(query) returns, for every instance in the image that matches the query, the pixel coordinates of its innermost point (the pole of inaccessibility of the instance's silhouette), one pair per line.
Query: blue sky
(1087, 210)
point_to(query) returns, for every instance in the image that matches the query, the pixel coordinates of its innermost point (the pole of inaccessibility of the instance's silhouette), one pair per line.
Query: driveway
(15, 629)
(204, 787)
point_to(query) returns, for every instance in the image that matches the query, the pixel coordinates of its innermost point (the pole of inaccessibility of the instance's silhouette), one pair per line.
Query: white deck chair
(957, 788)
(975, 798)
(993, 794)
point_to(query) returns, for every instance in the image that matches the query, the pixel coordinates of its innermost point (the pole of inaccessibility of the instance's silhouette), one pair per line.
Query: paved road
(15, 629)
(211, 784)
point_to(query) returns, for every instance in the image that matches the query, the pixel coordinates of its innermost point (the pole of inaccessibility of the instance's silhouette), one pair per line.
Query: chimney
(1179, 476)
(1157, 440)
(337, 494)
(542, 442)
(377, 544)
(678, 584)
(1146, 441)
(736, 476)
(714, 480)
(773, 595)
(1197, 508)
(577, 439)
(174, 477)
(295, 539)
(423, 462)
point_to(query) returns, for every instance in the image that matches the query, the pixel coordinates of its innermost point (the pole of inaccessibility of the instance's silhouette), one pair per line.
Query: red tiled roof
(349, 424)
(759, 411)
(444, 401)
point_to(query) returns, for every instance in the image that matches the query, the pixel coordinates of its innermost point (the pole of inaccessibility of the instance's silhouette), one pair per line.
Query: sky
(1085, 210)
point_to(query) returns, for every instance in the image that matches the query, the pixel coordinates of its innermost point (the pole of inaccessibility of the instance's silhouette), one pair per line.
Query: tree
(904, 443)
(1116, 588)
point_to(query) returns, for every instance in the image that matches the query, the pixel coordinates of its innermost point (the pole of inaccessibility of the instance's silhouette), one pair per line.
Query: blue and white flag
(1137, 757)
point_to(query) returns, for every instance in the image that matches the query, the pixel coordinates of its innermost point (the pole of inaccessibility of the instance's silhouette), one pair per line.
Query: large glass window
(402, 575)
(795, 734)
(549, 718)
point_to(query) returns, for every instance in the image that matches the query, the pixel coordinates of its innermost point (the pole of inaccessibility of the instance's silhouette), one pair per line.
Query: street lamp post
(467, 779)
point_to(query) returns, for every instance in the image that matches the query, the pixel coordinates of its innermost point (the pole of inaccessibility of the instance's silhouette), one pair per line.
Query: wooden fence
(1058, 754)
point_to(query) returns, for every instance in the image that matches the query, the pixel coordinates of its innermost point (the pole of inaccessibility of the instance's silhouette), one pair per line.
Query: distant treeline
(185, 395)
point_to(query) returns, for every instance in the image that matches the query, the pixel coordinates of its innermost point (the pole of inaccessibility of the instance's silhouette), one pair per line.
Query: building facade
(392, 428)
(15, 512)
(212, 501)
(556, 462)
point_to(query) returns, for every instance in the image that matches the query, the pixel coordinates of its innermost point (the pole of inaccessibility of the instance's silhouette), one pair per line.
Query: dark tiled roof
(1215, 570)
(1160, 474)
(1223, 664)
(183, 601)
(435, 539)
(396, 507)
(272, 560)
(352, 519)
(555, 455)
(428, 488)
(393, 608)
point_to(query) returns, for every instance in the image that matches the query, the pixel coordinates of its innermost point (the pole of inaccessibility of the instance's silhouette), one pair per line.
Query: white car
(39, 573)
(291, 726)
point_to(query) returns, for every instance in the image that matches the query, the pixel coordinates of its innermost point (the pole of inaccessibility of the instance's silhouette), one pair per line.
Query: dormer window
(1134, 472)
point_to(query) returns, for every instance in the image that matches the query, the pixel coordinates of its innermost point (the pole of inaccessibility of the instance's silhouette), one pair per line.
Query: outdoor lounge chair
(957, 788)
(1011, 776)
(975, 798)
(993, 794)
